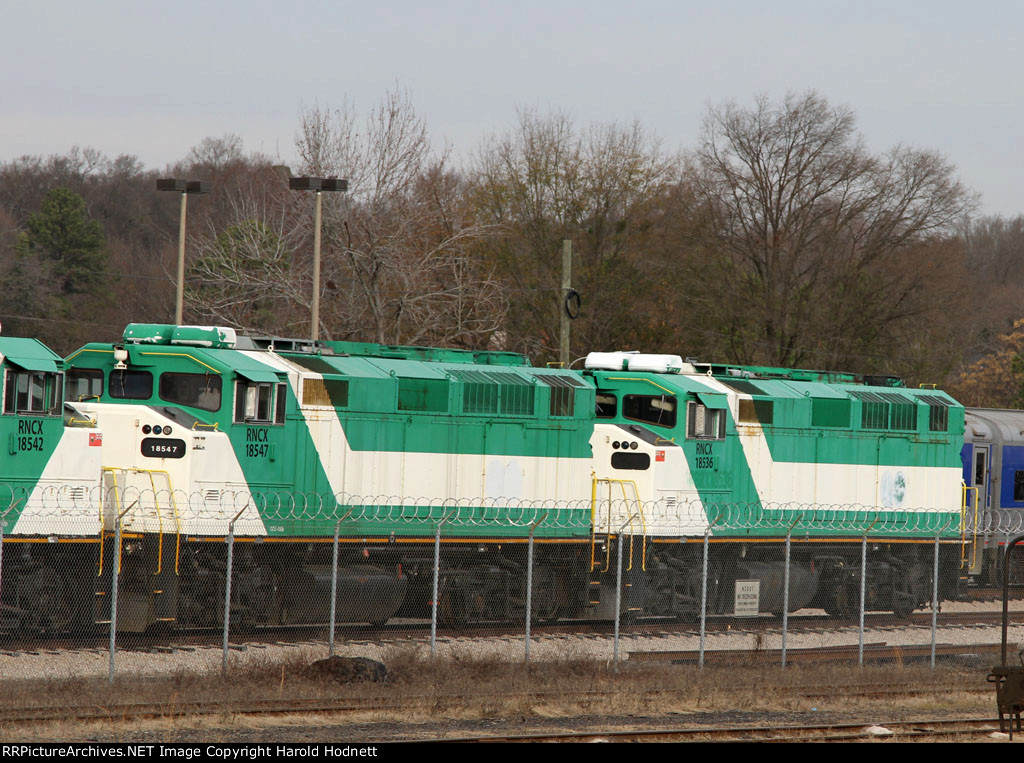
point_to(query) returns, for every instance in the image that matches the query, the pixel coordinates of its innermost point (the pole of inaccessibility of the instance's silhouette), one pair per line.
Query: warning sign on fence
(748, 595)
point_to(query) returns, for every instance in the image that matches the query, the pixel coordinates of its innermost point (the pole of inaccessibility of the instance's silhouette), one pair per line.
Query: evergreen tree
(57, 277)
(62, 234)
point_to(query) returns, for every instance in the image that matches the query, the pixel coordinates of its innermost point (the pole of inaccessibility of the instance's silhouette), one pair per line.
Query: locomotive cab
(48, 491)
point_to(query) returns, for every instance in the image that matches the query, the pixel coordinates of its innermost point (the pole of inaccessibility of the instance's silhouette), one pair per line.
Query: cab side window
(703, 423)
(34, 392)
(659, 410)
(606, 405)
(194, 390)
(130, 385)
(83, 384)
(259, 402)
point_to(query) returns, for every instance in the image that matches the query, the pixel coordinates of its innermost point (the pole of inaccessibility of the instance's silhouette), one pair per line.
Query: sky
(154, 79)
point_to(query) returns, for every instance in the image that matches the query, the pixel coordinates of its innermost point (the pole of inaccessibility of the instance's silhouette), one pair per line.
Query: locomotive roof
(221, 338)
(795, 386)
(217, 350)
(30, 354)
(798, 375)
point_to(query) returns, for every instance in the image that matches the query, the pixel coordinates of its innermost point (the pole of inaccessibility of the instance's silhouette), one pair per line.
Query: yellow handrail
(593, 523)
(117, 500)
(964, 507)
(150, 473)
(160, 525)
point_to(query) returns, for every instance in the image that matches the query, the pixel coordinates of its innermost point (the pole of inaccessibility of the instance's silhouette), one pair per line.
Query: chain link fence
(137, 578)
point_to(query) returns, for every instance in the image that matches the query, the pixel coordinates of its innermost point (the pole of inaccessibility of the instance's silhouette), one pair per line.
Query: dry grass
(464, 687)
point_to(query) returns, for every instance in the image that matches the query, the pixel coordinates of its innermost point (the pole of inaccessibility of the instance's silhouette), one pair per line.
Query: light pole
(184, 187)
(318, 185)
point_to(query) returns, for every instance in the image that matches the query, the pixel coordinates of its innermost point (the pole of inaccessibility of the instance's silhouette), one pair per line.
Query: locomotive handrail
(963, 524)
(595, 481)
(118, 494)
(177, 522)
(113, 474)
(593, 520)
(160, 526)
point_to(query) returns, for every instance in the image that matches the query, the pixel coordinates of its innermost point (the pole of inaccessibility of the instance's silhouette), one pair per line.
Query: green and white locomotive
(180, 435)
(749, 455)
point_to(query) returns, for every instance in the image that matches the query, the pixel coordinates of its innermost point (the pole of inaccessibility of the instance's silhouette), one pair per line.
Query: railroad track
(993, 594)
(419, 631)
(873, 652)
(339, 709)
(934, 730)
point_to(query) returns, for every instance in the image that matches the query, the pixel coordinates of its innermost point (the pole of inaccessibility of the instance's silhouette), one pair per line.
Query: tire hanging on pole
(573, 304)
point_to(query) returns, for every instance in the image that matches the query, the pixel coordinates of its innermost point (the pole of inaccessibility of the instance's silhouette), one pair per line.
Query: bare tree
(606, 189)
(244, 268)
(995, 249)
(213, 155)
(811, 249)
(396, 246)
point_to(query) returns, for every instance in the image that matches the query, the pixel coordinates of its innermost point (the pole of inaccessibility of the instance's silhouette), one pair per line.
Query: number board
(160, 447)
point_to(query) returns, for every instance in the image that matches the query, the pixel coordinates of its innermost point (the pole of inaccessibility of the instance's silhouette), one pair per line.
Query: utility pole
(184, 187)
(318, 185)
(564, 312)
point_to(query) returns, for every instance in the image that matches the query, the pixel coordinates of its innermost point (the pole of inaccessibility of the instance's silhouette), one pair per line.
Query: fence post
(704, 593)
(1010, 545)
(437, 568)
(935, 591)
(863, 581)
(3, 523)
(618, 586)
(227, 589)
(935, 599)
(529, 584)
(334, 583)
(863, 586)
(785, 592)
(115, 571)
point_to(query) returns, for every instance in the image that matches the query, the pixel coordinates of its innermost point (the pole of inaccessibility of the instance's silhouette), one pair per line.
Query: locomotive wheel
(844, 602)
(451, 609)
(547, 610)
(548, 596)
(903, 610)
(908, 587)
(43, 596)
(258, 597)
(904, 602)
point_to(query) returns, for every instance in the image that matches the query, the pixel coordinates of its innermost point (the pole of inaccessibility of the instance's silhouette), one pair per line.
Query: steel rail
(831, 732)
